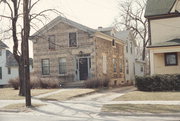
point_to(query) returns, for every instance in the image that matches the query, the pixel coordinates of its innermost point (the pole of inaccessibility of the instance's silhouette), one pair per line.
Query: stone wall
(62, 49)
(104, 47)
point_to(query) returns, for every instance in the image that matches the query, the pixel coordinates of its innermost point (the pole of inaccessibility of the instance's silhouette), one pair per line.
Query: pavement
(86, 108)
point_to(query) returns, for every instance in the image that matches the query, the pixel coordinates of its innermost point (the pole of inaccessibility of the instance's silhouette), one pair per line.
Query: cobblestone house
(69, 51)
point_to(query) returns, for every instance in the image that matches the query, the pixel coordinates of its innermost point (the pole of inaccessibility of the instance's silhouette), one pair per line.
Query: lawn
(148, 96)
(65, 95)
(11, 94)
(141, 108)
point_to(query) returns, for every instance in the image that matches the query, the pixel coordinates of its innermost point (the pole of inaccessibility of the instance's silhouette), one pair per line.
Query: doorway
(83, 68)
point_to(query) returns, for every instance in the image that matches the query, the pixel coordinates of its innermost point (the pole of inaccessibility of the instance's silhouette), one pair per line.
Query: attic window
(113, 42)
(72, 39)
(52, 43)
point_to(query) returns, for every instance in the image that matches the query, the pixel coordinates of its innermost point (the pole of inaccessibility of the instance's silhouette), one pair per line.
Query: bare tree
(131, 17)
(21, 18)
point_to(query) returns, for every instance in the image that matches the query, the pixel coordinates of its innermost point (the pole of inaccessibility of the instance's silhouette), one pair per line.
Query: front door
(83, 68)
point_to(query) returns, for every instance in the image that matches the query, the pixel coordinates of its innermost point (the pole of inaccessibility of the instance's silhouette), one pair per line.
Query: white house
(8, 65)
(129, 52)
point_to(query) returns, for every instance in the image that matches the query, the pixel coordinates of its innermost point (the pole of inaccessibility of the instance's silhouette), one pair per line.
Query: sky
(91, 13)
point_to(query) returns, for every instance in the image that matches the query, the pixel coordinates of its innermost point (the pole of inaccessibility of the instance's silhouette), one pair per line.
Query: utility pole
(26, 24)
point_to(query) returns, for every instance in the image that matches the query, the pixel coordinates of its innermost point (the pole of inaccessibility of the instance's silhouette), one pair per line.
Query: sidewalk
(145, 102)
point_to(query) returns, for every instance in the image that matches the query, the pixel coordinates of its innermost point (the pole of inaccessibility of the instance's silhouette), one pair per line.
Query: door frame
(77, 66)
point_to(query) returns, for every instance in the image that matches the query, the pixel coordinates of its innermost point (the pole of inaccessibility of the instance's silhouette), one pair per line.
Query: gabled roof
(3, 45)
(174, 42)
(59, 19)
(124, 35)
(11, 61)
(158, 7)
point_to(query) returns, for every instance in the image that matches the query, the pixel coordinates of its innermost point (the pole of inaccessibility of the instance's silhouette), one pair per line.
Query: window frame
(63, 66)
(1, 73)
(76, 39)
(9, 70)
(42, 67)
(176, 58)
(114, 65)
(52, 46)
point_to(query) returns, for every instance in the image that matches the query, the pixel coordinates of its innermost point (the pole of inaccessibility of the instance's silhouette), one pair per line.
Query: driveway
(86, 108)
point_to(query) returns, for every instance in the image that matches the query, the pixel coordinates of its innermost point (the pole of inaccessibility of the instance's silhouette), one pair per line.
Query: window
(45, 67)
(0, 52)
(127, 67)
(171, 59)
(9, 70)
(72, 39)
(0, 72)
(104, 64)
(52, 43)
(131, 47)
(120, 66)
(114, 65)
(62, 66)
(127, 47)
(142, 68)
(113, 42)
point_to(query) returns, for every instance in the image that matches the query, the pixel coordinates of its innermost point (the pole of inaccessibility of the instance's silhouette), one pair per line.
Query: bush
(159, 83)
(14, 83)
(96, 83)
(37, 82)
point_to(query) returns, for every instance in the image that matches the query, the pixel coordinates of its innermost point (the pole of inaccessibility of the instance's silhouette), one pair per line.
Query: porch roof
(174, 42)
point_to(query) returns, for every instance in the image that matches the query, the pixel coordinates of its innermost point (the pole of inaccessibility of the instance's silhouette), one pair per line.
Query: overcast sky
(92, 13)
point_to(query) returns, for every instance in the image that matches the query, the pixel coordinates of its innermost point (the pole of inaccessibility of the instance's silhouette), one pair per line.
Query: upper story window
(72, 39)
(0, 72)
(52, 42)
(127, 47)
(171, 59)
(45, 66)
(131, 47)
(62, 66)
(0, 52)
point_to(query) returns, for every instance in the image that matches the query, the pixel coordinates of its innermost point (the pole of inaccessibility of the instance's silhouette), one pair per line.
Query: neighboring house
(8, 65)
(140, 68)
(69, 51)
(164, 33)
(129, 51)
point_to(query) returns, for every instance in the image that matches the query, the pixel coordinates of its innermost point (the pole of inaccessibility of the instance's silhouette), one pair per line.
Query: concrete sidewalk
(145, 102)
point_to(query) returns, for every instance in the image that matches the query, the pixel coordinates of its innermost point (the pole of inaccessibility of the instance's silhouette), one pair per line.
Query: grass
(65, 95)
(141, 108)
(149, 96)
(11, 94)
(19, 106)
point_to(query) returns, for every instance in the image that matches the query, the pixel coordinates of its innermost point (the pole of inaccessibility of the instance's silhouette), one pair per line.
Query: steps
(73, 84)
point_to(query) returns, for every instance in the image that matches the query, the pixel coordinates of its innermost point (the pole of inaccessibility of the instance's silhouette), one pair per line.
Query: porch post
(152, 62)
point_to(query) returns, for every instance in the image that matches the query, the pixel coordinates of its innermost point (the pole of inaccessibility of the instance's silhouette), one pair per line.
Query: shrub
(37, 82)
(159, 83)
(14, 83)
(96, 83)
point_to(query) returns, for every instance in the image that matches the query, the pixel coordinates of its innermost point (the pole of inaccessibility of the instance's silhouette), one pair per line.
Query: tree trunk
(26, 23)
(21, 80)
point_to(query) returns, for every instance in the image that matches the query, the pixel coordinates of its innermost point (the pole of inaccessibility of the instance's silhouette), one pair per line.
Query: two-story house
(164, 32)
(70, 51)
(129, 52)
(8, 65)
